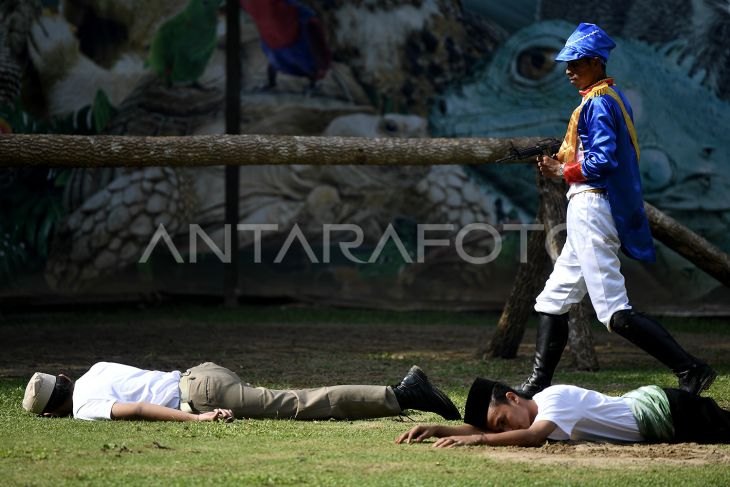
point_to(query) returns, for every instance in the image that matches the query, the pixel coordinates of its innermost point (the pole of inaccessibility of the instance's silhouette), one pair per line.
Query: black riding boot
(552, 335)
(694, 375)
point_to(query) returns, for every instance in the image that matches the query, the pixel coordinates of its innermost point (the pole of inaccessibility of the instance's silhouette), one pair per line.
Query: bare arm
(153, 412)
(423, 431)
(535, 435)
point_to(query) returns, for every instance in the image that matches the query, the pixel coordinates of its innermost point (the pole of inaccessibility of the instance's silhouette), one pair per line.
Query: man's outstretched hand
(424, 431)
(216, 415)
(155, 412)
(468, 435)
(418, 433)
(452, 441)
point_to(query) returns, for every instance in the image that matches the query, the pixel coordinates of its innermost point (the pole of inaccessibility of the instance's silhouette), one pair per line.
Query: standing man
(599, 159)
(209, 392)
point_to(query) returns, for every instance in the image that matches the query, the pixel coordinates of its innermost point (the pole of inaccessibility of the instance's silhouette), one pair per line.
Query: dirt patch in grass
(296, 354)
(610, 456)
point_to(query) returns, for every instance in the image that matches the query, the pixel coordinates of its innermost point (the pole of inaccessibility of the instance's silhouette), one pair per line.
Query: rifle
(547, 147)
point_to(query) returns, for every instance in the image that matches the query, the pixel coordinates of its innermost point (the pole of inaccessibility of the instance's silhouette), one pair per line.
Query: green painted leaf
(62, 179)
(102, 110)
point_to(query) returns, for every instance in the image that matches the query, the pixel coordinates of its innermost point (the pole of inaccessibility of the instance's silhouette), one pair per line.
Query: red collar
(608, 81)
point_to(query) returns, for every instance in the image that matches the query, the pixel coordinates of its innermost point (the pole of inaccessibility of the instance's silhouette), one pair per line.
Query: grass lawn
(306, 347)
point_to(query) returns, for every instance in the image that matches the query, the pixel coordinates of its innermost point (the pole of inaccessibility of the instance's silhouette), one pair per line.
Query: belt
(592, 190)
(185, 403)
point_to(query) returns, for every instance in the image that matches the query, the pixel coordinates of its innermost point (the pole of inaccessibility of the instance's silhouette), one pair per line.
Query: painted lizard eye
(534, 63)
(657, 169)
(390, 127)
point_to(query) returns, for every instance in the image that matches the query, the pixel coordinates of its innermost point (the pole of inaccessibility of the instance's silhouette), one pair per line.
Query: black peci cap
(477, 402)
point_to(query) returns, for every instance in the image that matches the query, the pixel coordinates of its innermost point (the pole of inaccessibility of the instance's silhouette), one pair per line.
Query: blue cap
(588, 40)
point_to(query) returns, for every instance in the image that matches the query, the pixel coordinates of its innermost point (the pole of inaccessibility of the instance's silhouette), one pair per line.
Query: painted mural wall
(370, 68)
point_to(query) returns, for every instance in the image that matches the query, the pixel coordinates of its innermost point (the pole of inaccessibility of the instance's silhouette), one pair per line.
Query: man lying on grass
(498, 415)
(209, 392)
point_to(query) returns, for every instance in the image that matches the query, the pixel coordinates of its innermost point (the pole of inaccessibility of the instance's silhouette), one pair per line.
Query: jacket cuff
(572, 173)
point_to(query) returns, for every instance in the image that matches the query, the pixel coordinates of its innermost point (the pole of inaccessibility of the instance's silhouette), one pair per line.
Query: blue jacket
(609, 162)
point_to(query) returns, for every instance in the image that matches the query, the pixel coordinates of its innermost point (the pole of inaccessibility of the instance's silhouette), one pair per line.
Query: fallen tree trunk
(17, 150)
(688, 244)
(580, 337)
(529, 280)
(507, 337)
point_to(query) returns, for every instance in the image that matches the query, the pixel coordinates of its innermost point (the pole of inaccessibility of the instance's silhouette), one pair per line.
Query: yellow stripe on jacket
(569, 147)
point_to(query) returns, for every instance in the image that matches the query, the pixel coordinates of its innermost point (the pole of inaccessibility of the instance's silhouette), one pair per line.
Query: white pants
(588, 262)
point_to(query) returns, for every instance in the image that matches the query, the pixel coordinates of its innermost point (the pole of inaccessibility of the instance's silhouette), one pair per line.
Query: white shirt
(582, 414)
(107, 383)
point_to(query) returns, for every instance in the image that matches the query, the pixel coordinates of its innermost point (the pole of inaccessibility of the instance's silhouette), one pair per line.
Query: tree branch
(688, 244)
(18, 150)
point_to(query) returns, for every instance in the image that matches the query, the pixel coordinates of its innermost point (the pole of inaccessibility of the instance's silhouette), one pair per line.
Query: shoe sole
(707, 382)
(418, 372)
(445, 398)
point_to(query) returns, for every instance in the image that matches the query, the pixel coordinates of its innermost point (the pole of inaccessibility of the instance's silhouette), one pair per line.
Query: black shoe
(416, 392)
(697, 378)
(552, 336)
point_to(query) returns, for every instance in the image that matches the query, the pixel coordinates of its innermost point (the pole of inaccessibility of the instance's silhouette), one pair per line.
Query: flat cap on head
(477, 402)
(588, 40)
(38, 392)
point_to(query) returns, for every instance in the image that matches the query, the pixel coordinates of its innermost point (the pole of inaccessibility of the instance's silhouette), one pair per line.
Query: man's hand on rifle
(549, 167)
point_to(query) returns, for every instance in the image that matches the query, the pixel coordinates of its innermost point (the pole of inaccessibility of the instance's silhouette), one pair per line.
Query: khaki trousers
(211, 386)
